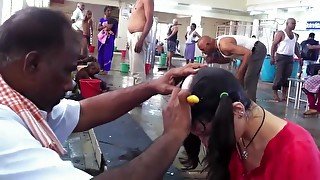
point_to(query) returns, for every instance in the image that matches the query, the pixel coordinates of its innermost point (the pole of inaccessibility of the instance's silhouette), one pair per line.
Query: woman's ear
(239, 119)
(238, 110)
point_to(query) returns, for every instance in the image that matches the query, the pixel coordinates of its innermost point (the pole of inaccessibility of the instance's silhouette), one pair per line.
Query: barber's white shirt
(23, 157)
(78, 16)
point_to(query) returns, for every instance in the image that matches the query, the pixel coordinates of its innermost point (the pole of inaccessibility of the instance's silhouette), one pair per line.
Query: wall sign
(313, 25)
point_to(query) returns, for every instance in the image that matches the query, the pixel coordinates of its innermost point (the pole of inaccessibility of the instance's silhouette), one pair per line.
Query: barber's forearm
(111, 105)
(153, 163)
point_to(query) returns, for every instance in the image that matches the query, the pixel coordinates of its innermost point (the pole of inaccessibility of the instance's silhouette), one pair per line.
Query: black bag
(309, 54)
(312, 69)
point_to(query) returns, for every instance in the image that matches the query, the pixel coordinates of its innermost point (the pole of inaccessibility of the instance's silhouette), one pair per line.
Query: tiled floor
(149, 118)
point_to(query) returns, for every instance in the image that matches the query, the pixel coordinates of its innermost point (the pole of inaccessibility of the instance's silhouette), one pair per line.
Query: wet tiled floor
(149, 116)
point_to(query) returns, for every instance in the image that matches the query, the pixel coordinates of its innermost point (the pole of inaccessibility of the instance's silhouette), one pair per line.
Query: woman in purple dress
(108, 28)
(191, 43)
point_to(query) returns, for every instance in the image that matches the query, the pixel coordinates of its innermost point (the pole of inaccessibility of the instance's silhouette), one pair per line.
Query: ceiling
(238, 10)
(239, 5)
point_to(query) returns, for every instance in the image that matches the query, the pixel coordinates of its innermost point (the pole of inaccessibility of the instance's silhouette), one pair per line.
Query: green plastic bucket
(163, 59)
(198, 59)
(124, 67)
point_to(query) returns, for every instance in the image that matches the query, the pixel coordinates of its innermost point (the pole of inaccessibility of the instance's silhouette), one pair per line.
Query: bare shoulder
(279, 33)
(225, 42)
(147, 1)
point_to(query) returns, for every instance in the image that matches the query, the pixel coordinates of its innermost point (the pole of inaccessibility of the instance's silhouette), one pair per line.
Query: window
(11, 6)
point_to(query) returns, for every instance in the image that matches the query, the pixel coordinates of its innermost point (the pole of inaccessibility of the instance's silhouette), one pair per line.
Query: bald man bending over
(224, 49)
(140, 23)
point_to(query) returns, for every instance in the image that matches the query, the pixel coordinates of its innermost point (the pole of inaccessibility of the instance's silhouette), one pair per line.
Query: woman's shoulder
(295, 137)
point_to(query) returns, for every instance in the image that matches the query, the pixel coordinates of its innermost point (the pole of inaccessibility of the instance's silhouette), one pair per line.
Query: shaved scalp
(290, 19)
(204, 39)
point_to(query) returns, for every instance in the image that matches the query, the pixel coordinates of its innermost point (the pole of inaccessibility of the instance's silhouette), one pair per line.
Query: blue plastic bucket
(268, 71)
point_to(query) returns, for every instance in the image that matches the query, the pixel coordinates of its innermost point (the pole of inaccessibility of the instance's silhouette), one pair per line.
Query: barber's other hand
(165, 84)
(177, 114)
(138, 47)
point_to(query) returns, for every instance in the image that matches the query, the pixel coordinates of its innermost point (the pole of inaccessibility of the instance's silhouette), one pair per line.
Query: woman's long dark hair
(208, 84)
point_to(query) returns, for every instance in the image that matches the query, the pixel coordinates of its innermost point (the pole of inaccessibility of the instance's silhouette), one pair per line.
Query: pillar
(233, 26)
(121, 40)
(255, 28)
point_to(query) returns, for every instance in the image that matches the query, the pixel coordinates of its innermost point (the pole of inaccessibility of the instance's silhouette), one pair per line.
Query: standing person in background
(78, 17)
(283, 49)
(172, 41)
(109, 27)
(88, 27)
(140, 23)
(86, 34)
(308, 54)
(191, 43)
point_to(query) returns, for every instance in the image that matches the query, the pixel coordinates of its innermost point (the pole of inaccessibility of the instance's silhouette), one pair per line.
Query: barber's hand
(138, 47)
(165, 84)
(177, 114)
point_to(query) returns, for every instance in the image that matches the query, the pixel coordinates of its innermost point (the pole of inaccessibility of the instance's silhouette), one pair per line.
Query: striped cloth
(31, 116)
(312, 84)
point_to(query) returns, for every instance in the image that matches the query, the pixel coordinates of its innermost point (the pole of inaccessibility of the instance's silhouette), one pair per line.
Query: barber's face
(53, 75)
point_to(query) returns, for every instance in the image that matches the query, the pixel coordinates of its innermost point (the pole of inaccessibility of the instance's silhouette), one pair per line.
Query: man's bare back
(137, 19)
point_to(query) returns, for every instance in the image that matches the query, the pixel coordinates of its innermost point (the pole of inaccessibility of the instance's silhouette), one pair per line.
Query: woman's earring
(241, 113)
